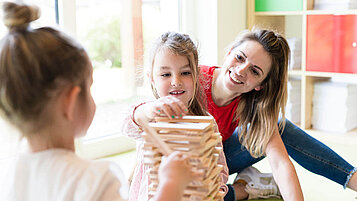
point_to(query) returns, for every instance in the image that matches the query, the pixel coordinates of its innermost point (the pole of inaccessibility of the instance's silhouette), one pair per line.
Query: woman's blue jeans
(304, 149)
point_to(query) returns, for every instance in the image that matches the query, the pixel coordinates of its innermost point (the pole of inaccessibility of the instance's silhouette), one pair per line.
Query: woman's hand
(165, 106)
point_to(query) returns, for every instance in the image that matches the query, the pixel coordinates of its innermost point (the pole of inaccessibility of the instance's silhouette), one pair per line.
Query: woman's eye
(255, 72)
(239, 57)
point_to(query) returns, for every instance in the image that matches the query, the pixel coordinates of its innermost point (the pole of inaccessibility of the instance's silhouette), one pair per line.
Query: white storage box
(334, 107)
(335, 5)
(293, 106)
(295, 56)
(339, 119)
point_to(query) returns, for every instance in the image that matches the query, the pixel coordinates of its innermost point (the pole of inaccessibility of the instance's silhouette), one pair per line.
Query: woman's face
(172, 76)
(245, 68)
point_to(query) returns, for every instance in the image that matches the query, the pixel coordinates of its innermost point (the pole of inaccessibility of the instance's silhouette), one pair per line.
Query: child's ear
(70, 100)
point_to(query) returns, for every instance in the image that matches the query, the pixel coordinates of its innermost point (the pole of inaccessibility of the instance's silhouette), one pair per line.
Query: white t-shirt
(60, 175)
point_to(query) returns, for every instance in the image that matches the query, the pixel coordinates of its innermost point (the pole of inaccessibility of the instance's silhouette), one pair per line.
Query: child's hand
(165, 106)
(176, 169)
(175, 173)
(168, 106)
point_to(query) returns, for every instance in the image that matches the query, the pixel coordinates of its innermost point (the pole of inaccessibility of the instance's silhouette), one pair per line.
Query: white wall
(214, 24)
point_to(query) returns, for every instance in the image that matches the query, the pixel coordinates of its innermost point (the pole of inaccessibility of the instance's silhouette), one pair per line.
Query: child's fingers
(176, 155)
(168, 111)
(162, 107)
(168, 106)
(182, 107)
(177, 106)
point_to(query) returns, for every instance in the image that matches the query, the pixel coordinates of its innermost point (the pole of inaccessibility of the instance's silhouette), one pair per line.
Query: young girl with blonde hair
(174, 77)
(45, 80)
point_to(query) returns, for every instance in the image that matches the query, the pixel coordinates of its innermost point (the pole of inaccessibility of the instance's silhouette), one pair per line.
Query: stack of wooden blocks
(195, 136)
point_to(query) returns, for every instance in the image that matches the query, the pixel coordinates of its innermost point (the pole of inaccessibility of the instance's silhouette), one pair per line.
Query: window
(47, 11)
(101, 26)
(2, 26)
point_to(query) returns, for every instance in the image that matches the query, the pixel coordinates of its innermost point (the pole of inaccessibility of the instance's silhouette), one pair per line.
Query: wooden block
(201, 127)
(191, 119)
(154, 137)
(194, 136)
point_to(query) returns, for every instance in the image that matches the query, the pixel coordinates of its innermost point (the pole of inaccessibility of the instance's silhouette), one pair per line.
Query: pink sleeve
(129, 128)
(222, 161)
(225, 172)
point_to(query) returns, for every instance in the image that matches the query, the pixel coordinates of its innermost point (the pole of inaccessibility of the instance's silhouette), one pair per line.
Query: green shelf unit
(278, 5)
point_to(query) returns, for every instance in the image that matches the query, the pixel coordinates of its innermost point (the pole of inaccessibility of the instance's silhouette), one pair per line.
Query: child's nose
(176, 81)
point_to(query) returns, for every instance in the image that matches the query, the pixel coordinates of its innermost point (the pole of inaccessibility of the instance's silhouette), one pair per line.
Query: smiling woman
(247, 65)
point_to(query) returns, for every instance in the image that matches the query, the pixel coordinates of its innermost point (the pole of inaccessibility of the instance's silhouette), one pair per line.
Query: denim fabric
(231, 193)
(304, 149)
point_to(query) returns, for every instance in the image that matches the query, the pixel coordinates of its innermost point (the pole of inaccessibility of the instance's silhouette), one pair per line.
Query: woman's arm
(283, 170)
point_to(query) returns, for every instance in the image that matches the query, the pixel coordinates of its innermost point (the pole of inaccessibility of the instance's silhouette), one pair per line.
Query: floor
(315, 188)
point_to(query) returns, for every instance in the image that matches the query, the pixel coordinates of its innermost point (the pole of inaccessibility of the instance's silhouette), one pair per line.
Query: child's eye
(165, 74)
(186, 73)
(239, 57)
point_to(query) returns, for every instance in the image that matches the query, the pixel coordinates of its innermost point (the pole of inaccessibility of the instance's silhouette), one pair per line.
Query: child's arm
(129, 127)
(283, 170)
(175, 173)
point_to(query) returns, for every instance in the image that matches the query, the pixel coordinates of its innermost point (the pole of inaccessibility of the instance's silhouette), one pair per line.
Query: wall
(214, 24)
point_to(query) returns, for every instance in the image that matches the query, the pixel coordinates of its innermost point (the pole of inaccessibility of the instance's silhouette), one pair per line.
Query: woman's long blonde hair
(258, 111)
(181, 44)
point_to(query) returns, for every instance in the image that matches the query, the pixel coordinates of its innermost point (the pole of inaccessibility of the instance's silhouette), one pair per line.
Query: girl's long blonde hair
(258, 111)
(181, 44)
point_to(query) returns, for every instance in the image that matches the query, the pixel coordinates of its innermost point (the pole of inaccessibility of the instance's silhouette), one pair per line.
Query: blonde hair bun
(18, 16)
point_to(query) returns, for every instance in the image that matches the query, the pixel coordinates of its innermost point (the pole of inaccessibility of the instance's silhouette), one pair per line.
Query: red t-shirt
(223, 115)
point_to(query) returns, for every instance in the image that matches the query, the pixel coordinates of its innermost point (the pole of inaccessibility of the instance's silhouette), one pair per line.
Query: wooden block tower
(196, 136)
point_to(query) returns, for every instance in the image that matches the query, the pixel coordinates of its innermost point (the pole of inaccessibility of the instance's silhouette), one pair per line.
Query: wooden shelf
(294, 24)
(295, 72)
(278, 13)
(328, 74)
(331, 12)
(307, 12)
